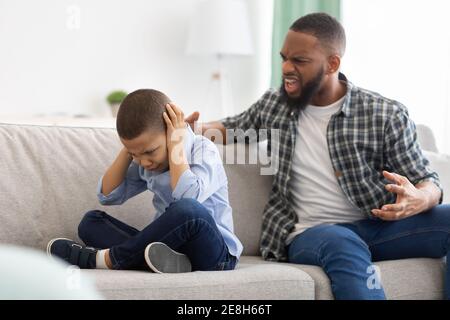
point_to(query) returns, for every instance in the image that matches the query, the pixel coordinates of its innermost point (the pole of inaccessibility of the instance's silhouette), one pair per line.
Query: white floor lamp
(220, 28)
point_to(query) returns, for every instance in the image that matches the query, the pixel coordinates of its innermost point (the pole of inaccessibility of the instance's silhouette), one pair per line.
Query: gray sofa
(48, 177)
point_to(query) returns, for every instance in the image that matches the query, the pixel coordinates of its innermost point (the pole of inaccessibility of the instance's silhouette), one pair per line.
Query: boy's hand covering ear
(176, 126)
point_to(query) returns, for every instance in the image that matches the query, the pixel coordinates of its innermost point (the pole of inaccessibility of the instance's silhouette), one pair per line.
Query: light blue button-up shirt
(205, 182)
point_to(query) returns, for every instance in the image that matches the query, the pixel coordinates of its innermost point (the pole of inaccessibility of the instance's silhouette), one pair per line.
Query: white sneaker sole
(162, 259)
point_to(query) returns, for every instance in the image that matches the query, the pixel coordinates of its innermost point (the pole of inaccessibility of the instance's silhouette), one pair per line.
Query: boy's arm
(121, 181)
(205, 175)
(177, 168)
(116, 172)
(176, 131)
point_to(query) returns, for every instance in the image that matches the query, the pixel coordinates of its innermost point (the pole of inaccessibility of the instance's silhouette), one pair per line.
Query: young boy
(193, 226)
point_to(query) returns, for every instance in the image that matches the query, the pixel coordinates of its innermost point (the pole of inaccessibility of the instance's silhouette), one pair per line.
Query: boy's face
(149, 150)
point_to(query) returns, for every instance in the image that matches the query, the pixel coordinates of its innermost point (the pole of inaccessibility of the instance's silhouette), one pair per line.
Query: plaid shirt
(368, 135)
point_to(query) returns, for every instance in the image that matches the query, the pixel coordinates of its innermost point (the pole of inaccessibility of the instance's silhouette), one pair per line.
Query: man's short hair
(140, 111)
(325, 28)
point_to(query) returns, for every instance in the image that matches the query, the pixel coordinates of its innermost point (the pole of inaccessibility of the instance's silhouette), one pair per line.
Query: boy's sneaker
(72, 252)
(161, 259)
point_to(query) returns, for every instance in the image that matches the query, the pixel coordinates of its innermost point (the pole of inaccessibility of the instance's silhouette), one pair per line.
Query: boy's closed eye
(148, 152)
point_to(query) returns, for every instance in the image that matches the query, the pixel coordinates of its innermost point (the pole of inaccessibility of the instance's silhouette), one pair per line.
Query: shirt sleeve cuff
(113, 196)
(186, 187)
(436, 183)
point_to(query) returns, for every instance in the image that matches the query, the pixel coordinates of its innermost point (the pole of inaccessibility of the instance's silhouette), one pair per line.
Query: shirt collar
(348, 109)
(347, 106)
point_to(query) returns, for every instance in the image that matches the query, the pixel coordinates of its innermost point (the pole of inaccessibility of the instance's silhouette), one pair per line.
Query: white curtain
(401, 49)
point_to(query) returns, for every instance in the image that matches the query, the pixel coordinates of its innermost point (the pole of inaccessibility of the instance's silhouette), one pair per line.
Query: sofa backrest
(49, 175)
(48, 179)
(426, 138)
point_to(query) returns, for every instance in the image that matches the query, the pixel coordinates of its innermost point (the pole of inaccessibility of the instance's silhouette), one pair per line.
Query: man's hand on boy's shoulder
(192, 119)
(176, 126)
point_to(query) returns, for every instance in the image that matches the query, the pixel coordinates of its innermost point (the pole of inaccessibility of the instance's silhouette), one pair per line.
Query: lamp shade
(220, 27)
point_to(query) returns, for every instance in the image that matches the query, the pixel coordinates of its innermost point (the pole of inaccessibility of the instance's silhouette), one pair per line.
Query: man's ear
(334, 63)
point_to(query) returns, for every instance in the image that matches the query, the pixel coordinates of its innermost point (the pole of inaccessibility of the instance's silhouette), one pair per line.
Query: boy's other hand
(192, 119)
(176, 127)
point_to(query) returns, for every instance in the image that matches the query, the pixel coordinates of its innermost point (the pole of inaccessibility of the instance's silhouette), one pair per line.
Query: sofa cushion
(250, 281)
(418, 278)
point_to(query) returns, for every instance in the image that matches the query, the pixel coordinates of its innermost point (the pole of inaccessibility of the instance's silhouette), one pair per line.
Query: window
(401, 49)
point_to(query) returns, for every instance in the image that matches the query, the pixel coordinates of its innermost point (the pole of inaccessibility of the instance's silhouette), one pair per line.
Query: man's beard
(308, 90)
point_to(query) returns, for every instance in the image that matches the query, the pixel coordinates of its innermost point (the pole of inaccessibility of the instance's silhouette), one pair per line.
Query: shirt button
(338, 173)
(292, 113)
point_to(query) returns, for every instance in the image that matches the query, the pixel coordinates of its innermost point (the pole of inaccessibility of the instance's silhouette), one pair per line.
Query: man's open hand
(410, 200)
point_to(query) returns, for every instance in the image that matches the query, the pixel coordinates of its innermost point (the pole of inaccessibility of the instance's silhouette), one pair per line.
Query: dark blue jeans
(186, 227)
(346, 251)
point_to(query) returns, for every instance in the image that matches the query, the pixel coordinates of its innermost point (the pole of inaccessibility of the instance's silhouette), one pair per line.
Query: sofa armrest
(426, 138)
(441, 164)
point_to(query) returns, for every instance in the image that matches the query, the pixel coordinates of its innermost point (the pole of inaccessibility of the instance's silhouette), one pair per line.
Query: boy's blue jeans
(186, 227)
(346, 251)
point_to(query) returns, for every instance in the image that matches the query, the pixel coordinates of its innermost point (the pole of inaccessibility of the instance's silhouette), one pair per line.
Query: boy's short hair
(141, 110)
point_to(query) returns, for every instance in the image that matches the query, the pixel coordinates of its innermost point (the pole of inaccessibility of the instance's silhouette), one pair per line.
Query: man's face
(149, 150)
(304, 62)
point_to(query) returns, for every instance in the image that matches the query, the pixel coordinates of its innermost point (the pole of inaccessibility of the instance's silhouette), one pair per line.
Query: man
(352, 185)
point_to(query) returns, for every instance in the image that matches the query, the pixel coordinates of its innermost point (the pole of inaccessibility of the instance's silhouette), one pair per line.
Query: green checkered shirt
(368, 135)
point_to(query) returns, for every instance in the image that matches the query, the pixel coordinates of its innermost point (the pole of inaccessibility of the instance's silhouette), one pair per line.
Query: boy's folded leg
(72, 252)
(162, 259)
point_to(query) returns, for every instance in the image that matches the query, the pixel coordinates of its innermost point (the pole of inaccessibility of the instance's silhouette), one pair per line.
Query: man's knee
(338, 239)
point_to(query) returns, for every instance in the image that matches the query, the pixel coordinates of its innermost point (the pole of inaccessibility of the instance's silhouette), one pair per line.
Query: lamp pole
(226, 96)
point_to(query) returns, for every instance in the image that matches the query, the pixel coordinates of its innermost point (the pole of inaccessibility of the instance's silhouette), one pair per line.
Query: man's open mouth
(291, 85)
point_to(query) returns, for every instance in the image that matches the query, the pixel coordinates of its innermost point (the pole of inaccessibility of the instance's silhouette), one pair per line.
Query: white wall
(51, 65)
(401, 49)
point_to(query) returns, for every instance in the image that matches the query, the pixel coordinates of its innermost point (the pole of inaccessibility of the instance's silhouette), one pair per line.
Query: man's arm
(249, 119)
(411, 199)
(416, 186)
(432, 191)
(205, 126)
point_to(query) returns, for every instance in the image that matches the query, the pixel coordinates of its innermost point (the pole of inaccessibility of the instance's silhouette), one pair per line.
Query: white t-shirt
(316, 195)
